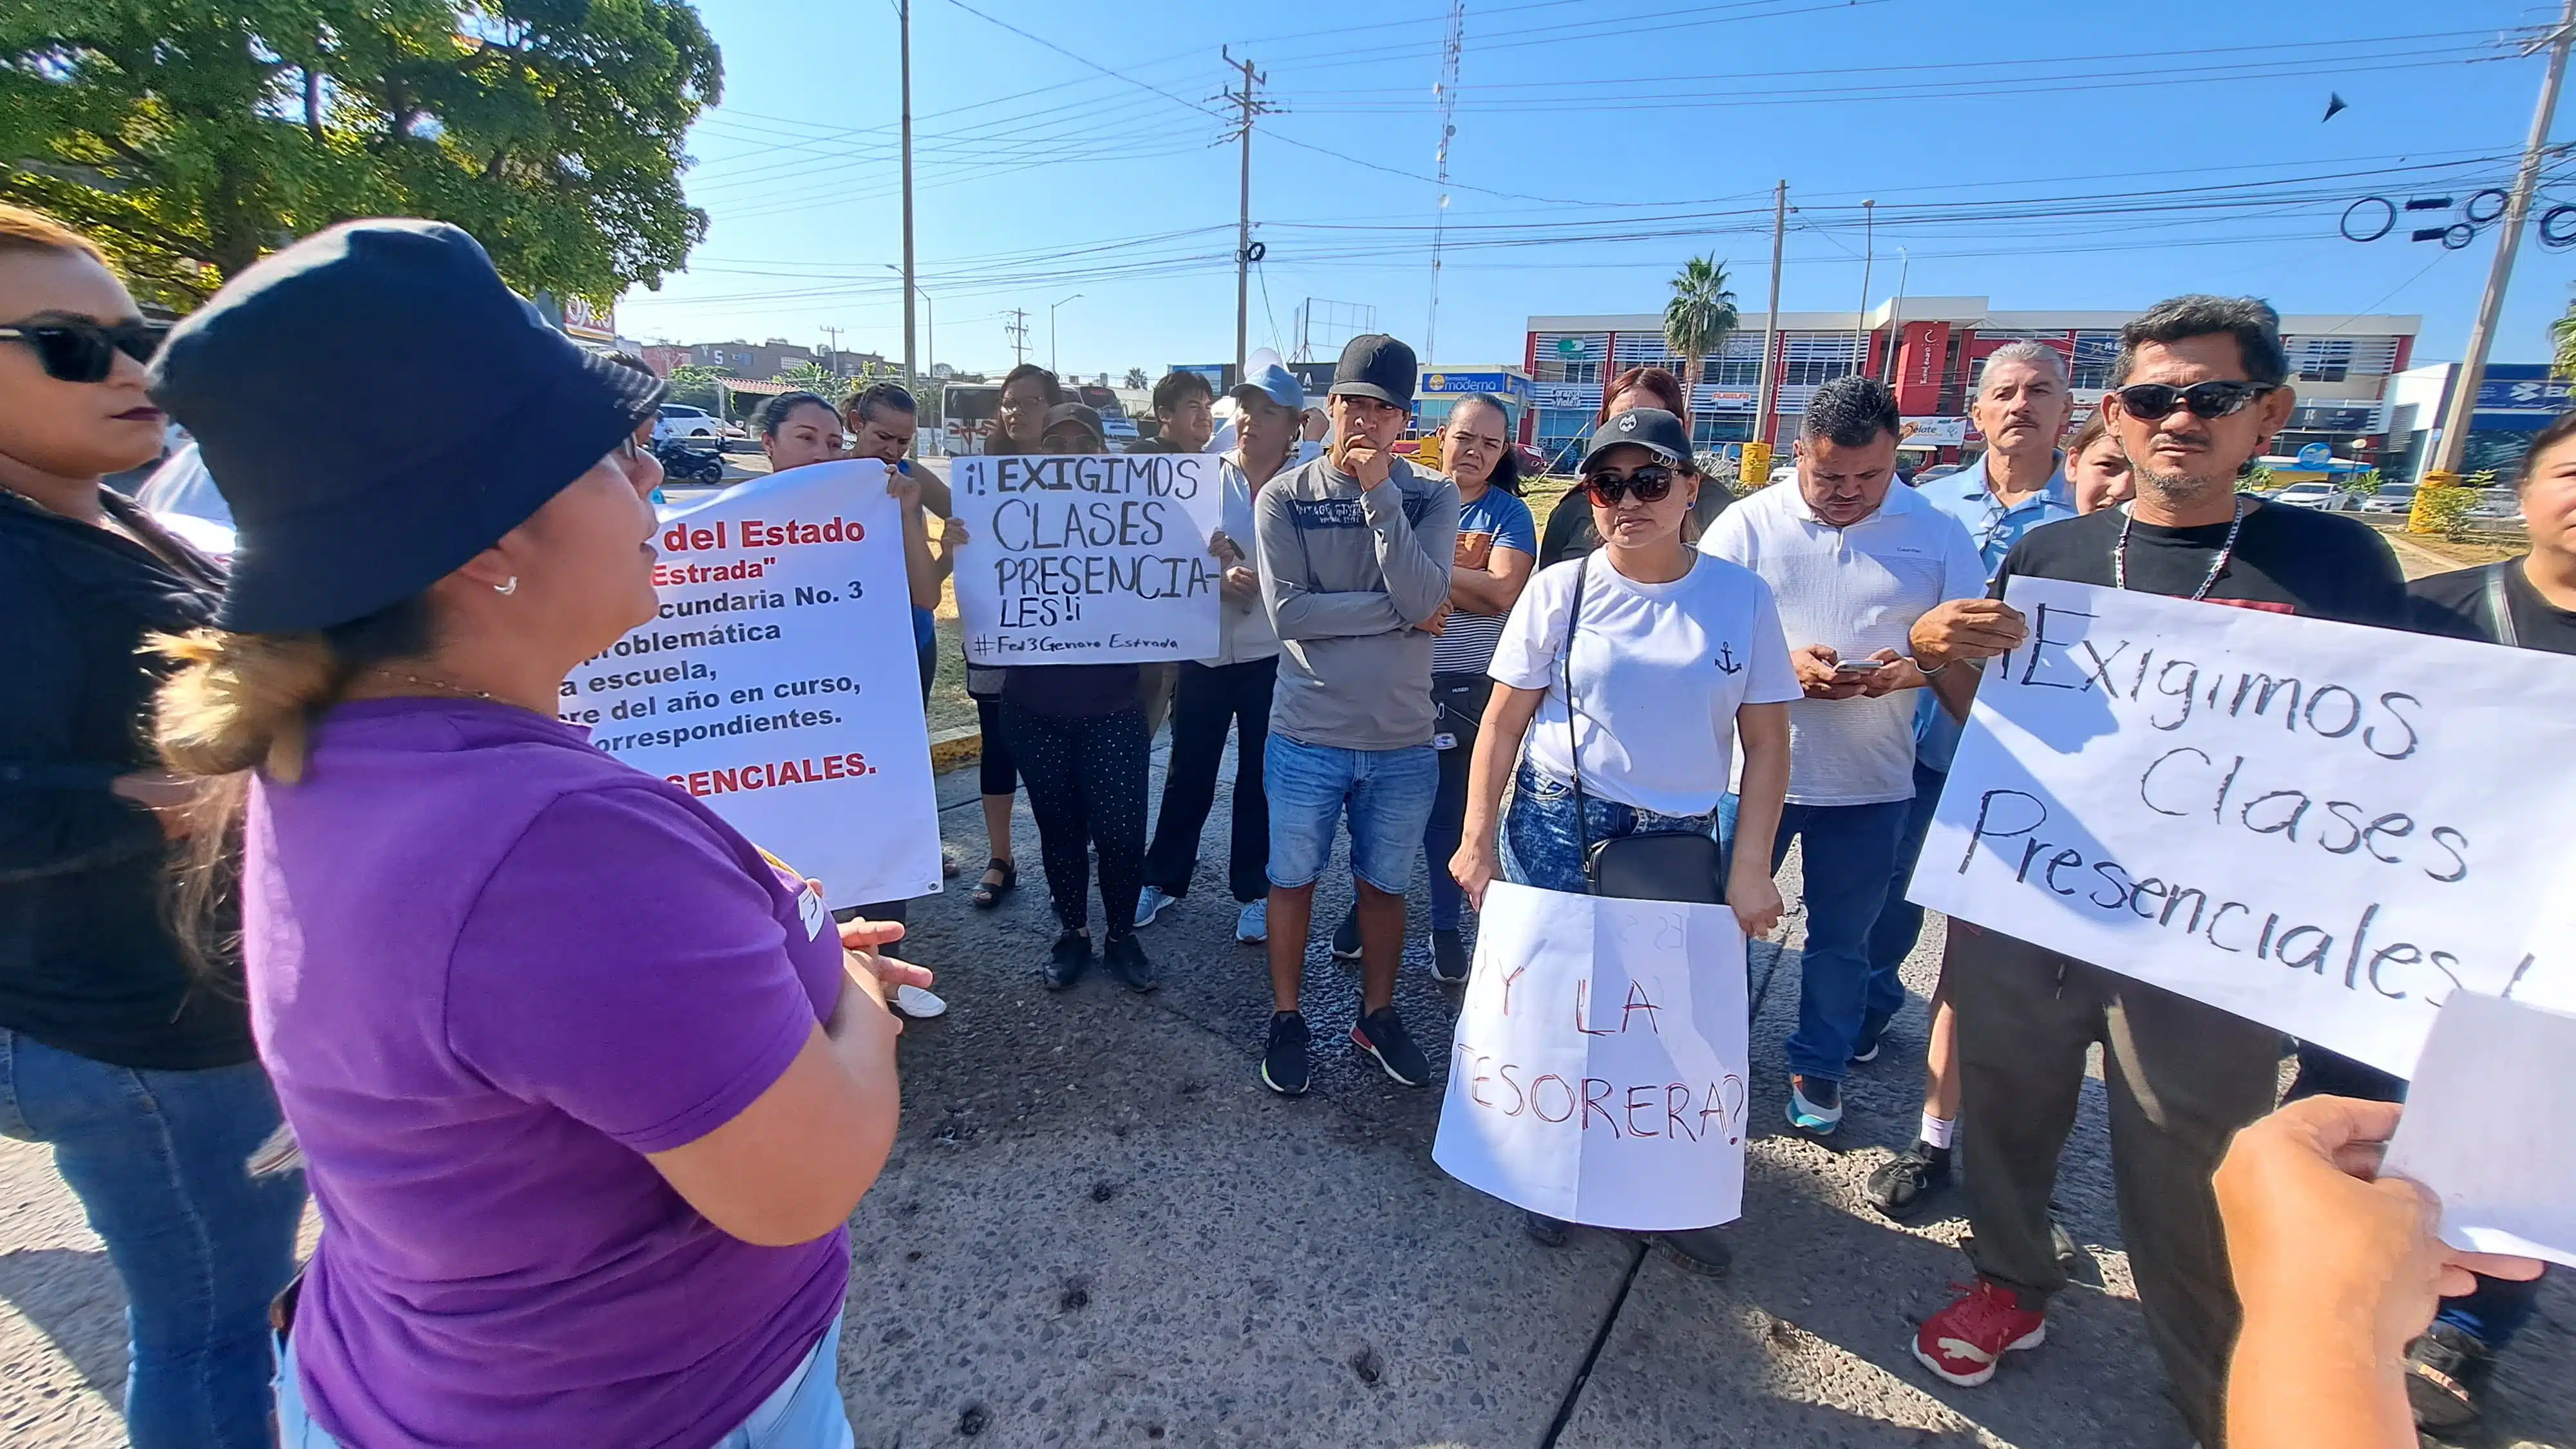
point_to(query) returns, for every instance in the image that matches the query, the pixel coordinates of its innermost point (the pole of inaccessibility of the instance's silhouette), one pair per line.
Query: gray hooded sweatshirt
(1348, 576)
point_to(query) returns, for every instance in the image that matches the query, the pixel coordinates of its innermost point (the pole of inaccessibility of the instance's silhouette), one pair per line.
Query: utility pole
(1252, 105)
(1763, 421)
(1018, 330)
(1447, 90)
(831, 348)
(1896, 317)
(911, 369)
(1860, 319)
(2462, 405)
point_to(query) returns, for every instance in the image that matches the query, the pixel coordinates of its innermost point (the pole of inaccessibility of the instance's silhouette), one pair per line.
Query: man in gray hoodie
(1354, 553)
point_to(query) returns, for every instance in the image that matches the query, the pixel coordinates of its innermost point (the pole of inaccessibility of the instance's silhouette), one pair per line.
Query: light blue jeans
(157, 1160)
(805, 1412)
(1386, 793)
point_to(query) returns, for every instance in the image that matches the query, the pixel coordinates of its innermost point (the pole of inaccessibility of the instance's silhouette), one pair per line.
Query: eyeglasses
(1651, 484)
(2148, 401)
(76, 351)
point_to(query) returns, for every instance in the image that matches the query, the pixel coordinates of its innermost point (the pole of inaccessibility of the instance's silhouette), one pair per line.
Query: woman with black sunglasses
(1671, 657)
(135, 1068)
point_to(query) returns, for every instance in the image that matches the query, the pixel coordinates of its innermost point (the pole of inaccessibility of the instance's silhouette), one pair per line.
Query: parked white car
(2310, 495)
(679, 420)
(2391, 498)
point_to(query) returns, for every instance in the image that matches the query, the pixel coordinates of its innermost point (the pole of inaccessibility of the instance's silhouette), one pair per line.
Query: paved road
(1097, 1228)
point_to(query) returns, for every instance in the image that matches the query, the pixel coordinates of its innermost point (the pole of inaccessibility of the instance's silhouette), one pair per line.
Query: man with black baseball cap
(1353, 551)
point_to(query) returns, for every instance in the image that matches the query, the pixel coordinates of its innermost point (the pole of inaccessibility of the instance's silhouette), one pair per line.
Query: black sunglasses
(2149, 401)
(76, 351)
(1651, 484)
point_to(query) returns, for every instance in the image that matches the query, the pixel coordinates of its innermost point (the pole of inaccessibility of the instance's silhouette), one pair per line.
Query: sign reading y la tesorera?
(1088, 560)
(777, 682)
(2322, 827)
(1597, 1073)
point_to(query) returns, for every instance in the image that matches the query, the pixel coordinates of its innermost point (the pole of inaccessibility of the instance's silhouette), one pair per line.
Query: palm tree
(2562, 343)
(1700, 317)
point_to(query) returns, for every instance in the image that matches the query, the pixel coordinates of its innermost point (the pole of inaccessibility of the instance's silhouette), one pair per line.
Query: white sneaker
(1253, 925)
(918, 1004)
(1151, 904)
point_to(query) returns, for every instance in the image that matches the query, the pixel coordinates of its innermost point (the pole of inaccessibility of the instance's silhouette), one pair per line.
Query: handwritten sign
(778, 681)
(1088, 560)
(2502, 1175)
(1597, 1073)
(2322, 827)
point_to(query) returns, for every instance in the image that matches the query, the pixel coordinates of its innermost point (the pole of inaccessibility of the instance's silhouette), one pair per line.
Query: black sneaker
(1543, 1229)
(1346, 937)
(1283, 1061)
(1070, 957)
(1381, 1034)
(1449, 960)
(2446, 1374)
(1700, 1250)
(1900, 1185)
(1126, 961)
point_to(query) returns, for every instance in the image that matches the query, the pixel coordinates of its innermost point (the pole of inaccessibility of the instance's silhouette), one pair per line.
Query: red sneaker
(1965, 1342)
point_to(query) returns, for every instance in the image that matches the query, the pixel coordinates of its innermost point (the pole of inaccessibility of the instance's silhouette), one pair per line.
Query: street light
(930, 333)
(1051, 306)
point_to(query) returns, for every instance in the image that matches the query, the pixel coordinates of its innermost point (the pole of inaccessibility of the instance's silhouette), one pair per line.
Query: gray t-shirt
(1348, 574)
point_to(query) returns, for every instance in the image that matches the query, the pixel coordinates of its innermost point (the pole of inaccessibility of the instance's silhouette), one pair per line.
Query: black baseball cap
(1376, 365)
(1082, 414)
(311, 383)
(1652, 429)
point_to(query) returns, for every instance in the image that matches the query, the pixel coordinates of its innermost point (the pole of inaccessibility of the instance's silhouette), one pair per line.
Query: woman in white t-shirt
(1676, 656)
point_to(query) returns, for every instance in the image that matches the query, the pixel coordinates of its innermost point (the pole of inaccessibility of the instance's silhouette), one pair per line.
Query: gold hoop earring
(511, 587)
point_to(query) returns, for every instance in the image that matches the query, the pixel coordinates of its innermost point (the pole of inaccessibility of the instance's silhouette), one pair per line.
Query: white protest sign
(779, 682)
(2321, 827)
(2490, 1127)
(1597, 1073)
(1088, 560)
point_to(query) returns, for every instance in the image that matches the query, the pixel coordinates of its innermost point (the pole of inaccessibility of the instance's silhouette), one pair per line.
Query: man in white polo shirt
(1853, 561)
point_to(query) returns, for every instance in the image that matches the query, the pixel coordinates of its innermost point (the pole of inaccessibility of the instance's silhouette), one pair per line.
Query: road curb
(952, 748)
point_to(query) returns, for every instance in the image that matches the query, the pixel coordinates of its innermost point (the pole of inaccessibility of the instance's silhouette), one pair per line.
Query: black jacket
(87, 961)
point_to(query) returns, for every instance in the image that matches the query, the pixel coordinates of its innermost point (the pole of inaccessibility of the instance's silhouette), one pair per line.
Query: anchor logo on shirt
(1726, 661)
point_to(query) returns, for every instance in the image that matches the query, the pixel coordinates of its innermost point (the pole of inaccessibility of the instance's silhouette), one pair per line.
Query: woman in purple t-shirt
(587, 1087)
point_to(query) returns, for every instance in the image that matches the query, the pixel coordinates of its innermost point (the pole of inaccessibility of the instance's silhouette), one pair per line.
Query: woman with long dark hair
(1029, 392)
(1569, 526)
(135, 1068)
(588, 1086)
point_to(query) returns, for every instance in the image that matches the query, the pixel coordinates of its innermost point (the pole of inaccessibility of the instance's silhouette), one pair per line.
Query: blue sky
(2042, 155)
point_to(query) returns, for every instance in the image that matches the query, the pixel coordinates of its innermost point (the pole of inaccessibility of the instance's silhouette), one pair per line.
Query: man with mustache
(1854, 561)
(2199, 387)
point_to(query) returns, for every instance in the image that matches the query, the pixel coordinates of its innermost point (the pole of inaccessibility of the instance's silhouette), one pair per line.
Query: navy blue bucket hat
(378, 407)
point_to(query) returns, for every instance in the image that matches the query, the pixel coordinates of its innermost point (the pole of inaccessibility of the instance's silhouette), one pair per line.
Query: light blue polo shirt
(1964, 496)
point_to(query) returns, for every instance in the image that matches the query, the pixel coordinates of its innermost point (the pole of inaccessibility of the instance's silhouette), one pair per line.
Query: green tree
(2562, 342)
(696, 385)
(189, 137)
(1137, 380)
(815, 378)
(1699, 318)
(2360, 485)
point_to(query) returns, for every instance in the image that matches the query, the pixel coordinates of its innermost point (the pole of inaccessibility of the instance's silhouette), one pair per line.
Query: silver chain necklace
(2217, 566)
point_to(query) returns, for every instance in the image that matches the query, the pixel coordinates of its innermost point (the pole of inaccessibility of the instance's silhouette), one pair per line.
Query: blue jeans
(158, 1161)
(805, 1412)
(1540, 847)
(1850, 855)
(1900, 921)
(1387, 794)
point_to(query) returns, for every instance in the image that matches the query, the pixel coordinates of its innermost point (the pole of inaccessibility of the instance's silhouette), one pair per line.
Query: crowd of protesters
(585, 1084)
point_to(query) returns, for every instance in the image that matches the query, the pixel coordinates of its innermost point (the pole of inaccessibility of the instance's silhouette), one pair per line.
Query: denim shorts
(806, 1412)
(1540, 846)
(1388, 794)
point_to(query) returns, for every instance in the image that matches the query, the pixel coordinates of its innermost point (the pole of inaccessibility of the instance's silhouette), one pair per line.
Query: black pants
(999, 771)
(1086, 781)
(1460, 700)
(1204, 703)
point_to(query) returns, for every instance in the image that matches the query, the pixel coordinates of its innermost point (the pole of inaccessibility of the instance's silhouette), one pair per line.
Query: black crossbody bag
(1658, 865)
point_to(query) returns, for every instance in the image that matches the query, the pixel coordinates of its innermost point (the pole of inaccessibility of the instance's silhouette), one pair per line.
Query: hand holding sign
(1088, 560)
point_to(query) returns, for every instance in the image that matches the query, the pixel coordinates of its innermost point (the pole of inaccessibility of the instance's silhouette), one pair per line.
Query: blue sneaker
(1815, 1105)
(1153, 903)
(1253, 926)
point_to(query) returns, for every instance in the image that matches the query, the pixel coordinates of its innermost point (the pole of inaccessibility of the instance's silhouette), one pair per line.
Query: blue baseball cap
(1265, 374)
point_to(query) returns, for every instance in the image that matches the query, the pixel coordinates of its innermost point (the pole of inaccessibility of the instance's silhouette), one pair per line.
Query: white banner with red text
(778, 683)
(1597, 1074)
(1088, 560)
(2321, 827)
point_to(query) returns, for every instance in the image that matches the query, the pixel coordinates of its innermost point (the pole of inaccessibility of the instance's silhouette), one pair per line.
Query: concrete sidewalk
(1098, 1228)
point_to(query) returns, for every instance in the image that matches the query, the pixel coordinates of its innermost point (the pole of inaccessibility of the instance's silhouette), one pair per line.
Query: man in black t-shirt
(2199, 388)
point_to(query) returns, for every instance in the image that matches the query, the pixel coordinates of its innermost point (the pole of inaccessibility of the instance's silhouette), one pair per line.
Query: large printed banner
(1088, 560)
(779, 683)
(1598, 1070)
(2322, 827)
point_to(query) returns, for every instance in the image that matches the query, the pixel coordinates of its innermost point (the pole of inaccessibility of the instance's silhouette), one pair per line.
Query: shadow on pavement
(72, 1295)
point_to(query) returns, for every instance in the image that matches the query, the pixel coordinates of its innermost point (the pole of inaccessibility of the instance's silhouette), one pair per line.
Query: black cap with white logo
(1652, 429)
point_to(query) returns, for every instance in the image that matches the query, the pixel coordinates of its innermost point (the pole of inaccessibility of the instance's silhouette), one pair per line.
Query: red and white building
(1931, 349)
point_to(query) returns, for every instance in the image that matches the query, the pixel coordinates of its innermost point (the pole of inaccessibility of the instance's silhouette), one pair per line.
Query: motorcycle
(694, 462)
